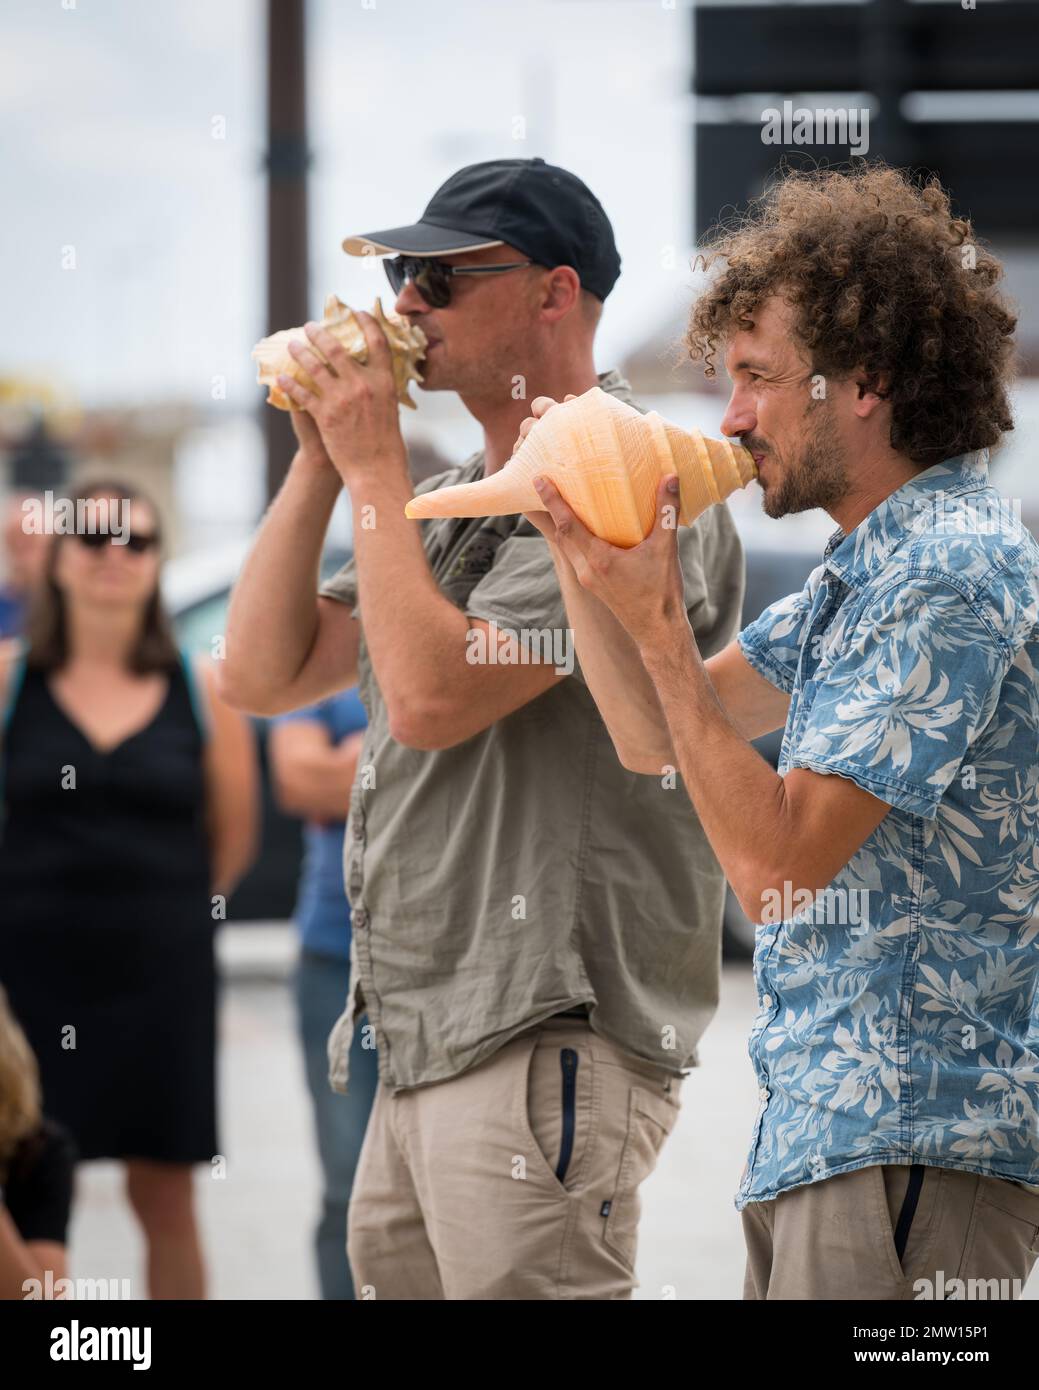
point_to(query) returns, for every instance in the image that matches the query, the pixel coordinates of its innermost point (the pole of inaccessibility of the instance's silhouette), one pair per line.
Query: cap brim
(423, 239)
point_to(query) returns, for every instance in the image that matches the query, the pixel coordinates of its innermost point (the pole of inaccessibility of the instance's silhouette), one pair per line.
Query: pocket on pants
(651, 1119)
(904, 1226)
(560, 1108)
(1002, 1241)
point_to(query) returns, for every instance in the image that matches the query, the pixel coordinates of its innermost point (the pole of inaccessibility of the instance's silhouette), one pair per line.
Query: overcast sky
(131, 249)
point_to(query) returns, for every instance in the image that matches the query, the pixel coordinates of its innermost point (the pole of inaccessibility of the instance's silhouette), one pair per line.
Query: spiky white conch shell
(407, 348)
(607, 460)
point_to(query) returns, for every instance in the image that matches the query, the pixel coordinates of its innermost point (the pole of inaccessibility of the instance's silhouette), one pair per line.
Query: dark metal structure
(876, 52)
(287, 161)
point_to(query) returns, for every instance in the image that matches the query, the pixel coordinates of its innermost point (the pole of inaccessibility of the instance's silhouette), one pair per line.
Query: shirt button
(360, 918)
(766, 1002)
(358, 829)
(763, 1093)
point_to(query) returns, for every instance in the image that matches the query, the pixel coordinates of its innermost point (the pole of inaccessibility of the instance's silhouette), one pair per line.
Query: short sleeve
(521, 592)
(898, 709)
(343, 585)
(521, 588)
(772, 642)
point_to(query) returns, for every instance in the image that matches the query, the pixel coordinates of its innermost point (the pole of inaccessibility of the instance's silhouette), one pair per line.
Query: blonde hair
(19, 1084)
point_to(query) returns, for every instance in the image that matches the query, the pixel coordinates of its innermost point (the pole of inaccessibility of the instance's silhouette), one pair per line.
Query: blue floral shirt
(899, 1007)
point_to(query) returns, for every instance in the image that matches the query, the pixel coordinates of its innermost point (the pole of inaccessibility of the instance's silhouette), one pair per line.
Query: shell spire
(708, 469)
(407, 348)
(606, 459)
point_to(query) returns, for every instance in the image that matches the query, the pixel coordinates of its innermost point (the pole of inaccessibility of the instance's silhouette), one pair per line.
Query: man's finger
(305, 428)
(569, 527)
(525, 428)
(668, 506)
(378, 347)
(340, 363)
(542, 521)
(295, 392)
(308, 359)
(540, 405)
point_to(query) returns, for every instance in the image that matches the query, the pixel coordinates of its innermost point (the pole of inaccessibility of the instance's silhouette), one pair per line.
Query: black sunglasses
(432, 278)
(137, 541)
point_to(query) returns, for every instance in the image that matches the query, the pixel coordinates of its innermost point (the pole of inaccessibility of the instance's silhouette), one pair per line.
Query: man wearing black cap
(535, 929)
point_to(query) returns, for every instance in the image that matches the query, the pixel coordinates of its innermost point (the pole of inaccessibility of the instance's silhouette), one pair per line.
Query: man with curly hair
(895, 1154)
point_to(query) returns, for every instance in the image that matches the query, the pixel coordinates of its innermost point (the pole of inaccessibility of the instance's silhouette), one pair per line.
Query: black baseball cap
(544, 211)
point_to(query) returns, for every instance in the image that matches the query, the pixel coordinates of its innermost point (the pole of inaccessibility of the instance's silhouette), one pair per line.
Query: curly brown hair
(881, 277)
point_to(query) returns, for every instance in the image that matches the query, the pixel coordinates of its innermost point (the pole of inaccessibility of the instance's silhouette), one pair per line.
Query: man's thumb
(668, 504)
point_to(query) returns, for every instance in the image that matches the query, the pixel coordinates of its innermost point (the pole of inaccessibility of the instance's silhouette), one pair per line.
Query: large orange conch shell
(607, 460)
(407, 348)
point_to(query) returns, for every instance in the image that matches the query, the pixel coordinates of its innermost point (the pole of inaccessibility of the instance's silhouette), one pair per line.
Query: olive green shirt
(525, 871)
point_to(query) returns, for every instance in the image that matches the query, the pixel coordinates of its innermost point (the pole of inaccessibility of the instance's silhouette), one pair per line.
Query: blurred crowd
(131, 805)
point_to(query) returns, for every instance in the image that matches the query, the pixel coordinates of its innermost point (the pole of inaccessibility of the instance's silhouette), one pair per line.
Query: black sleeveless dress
(106, 928)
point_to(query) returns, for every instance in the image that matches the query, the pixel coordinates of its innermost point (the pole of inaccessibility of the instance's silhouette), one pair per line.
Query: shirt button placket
(355, 857)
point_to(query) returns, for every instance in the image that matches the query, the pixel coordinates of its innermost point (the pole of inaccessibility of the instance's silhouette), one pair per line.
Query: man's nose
(740, 416)
(409, 301)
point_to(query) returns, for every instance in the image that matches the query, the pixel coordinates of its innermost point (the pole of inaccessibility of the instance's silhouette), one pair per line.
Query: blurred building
(47, 445)
(943, 88)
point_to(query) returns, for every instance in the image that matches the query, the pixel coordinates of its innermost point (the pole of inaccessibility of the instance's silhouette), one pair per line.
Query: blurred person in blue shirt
(24, 562)
(313, 754)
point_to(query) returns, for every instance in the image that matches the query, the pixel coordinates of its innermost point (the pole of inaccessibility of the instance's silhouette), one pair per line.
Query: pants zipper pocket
(909, 1203)
(568, 1062)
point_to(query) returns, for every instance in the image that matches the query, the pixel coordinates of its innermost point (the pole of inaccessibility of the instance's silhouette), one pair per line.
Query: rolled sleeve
(899, 709)
(343, 585)
(521, 588)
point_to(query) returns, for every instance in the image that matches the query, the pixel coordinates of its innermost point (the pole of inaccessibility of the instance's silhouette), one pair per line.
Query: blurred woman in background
(131, 797)
(36, 1161)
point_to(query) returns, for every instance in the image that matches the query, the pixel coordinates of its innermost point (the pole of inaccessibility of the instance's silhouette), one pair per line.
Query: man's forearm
(616, 677)
(317, 785)
(738, 797)
(272, 617)
(415, 635)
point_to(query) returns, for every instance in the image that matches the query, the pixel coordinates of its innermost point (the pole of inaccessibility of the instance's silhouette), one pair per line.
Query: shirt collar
(616, 385)
(610, 381)
(857, 555)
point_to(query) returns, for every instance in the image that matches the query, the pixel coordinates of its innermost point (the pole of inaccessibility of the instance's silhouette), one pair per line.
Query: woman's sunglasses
(137, 541)
(432, 278)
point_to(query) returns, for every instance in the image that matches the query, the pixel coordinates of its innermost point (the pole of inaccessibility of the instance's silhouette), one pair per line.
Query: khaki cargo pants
(516, 1180)
(893, 1232)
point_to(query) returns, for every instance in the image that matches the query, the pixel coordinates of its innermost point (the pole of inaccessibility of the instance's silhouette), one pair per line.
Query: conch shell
(407, 348)
(607, 460)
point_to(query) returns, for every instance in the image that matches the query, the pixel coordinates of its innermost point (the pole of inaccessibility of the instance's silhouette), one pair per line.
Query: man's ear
(562, 292)
(871, 391)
